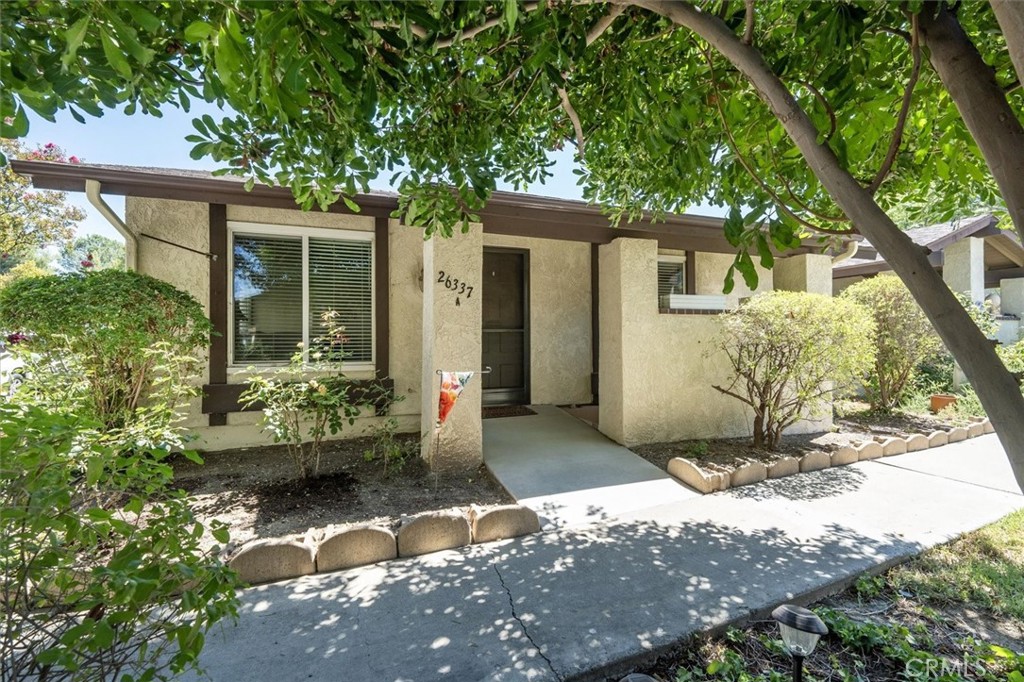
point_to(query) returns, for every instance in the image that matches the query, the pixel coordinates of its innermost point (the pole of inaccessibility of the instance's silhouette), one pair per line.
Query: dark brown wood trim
(382, 296)
(994, 277)
(595, 321)
(506, 212)
(691, 272)
(223, 398)
(218, 370)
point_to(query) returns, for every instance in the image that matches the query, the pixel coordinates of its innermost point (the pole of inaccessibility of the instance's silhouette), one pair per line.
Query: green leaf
(198, 30)
(765, 251)
(18, 127)
(730, 280)
(143, 17)
(511, 14)
(114, 56)
(93, 471)
(74, 37)
(221, 534)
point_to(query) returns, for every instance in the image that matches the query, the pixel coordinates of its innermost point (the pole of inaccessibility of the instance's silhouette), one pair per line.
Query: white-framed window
(281, 279)
(671, 278)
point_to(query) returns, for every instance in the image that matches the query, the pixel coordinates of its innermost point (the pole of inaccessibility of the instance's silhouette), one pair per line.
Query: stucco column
(810, 272)
(628, 296)
(963, 267)
(1011, 293)
(452, 342)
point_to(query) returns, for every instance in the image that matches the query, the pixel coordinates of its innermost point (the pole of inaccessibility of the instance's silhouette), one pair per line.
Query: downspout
(131, 242)
(848, 253)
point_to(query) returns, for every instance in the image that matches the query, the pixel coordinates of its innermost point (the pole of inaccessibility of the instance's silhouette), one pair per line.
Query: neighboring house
(975, 257)
(565, 309)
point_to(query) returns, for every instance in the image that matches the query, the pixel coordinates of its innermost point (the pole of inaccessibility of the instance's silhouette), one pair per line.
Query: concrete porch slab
(570, 473)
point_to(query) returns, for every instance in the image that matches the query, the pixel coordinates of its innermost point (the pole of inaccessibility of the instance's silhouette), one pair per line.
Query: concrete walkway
(589, 601)
(570, 473)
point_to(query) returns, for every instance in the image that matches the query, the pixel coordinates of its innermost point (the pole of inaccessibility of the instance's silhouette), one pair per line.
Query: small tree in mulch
(300, 411)
(787, 352)
(904, 338)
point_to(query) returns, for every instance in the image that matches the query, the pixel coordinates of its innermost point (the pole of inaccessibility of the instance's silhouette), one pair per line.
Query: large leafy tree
(31, 219)
(91, 252)
(815, 117)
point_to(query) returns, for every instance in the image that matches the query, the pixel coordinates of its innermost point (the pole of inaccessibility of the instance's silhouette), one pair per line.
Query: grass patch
(983, 570)
(915, 623)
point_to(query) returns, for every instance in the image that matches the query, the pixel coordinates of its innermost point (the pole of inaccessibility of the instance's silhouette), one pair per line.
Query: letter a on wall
(452, 384)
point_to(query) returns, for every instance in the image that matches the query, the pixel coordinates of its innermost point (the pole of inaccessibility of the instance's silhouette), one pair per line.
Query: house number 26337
(453, 284)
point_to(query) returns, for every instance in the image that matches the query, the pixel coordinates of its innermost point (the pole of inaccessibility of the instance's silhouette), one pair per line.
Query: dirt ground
(255, 491)
(726, 454)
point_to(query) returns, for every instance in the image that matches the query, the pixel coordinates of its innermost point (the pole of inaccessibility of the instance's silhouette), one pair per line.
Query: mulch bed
(727, 454)
(256, 491)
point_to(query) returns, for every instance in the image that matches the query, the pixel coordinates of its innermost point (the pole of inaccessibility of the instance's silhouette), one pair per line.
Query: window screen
(267, 295)
(267, 292)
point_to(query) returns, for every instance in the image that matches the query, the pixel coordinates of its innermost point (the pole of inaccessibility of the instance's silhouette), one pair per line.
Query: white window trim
(271, 230)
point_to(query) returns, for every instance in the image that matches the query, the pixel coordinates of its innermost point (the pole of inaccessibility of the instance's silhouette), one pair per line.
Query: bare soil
(858, 423)
(256, 492)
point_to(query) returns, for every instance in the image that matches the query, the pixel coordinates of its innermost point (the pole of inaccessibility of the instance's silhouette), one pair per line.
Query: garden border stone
(751, 472)
(815, 461)
(787, 466)
(503, 522)
(988, 426)
(844, 455)
(697, 478)
(893, 446)
(917, 442)
(976, 429)
(869, 450)
(271, 559)
(937, 439)
(353, 546)
(433, 531)
(957, 434)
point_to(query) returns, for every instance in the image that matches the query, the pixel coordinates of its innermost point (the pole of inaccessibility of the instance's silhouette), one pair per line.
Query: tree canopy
(807, 119)
(331, 95)
(31, 219)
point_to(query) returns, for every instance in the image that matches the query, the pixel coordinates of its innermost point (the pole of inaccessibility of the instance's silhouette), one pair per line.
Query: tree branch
(574, 117)
(746, 164)
(470, 32)
(901, 120)
(604, 22)
(748, 30)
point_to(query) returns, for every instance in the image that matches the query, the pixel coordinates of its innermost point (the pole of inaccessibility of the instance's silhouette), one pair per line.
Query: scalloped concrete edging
(691, 473)
(336, 548)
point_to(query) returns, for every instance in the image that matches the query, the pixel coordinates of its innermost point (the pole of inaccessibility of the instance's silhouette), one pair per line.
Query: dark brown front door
(505, 328)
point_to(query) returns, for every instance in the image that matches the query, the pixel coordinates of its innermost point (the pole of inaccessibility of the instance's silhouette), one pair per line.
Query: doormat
(507, 411)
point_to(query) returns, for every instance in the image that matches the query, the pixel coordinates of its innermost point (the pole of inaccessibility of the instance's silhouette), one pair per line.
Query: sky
(141, 140)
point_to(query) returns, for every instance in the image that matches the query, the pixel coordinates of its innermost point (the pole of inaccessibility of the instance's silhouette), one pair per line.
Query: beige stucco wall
(658, 371)
(811, 272)
(451, 341)
(560, 321)
(187, 223)
(709, 277)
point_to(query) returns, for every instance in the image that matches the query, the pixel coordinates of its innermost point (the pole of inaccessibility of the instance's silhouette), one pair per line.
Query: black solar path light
(800, 630)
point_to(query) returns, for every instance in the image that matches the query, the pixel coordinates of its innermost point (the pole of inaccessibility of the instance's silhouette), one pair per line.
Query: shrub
(324, 403)
(102, 343)
(104, 572)
(788, 351)
(903, 338)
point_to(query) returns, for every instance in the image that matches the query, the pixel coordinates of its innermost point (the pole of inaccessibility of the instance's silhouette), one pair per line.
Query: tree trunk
(996, 388)
(981, 102)
(1010, 15)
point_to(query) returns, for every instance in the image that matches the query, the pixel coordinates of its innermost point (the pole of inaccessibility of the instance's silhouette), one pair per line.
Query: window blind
(267, 298)
(341, 279)
(671, 278)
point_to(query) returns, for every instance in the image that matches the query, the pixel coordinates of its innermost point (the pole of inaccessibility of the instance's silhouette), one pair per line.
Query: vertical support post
(218, 356)
(382, 299)
(595, 323)
(452, 341)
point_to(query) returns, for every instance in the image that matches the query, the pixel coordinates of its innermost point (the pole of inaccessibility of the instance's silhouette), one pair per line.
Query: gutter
(131, 242)
(848, 253)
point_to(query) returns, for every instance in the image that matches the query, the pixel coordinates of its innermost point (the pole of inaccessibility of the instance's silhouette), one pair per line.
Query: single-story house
(563, 308)
(973, 254)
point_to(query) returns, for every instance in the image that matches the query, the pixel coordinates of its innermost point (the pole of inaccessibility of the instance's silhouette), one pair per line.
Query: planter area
(335, 548)
(710, 479)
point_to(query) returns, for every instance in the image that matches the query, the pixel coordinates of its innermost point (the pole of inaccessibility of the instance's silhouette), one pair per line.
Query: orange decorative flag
(452, 384)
